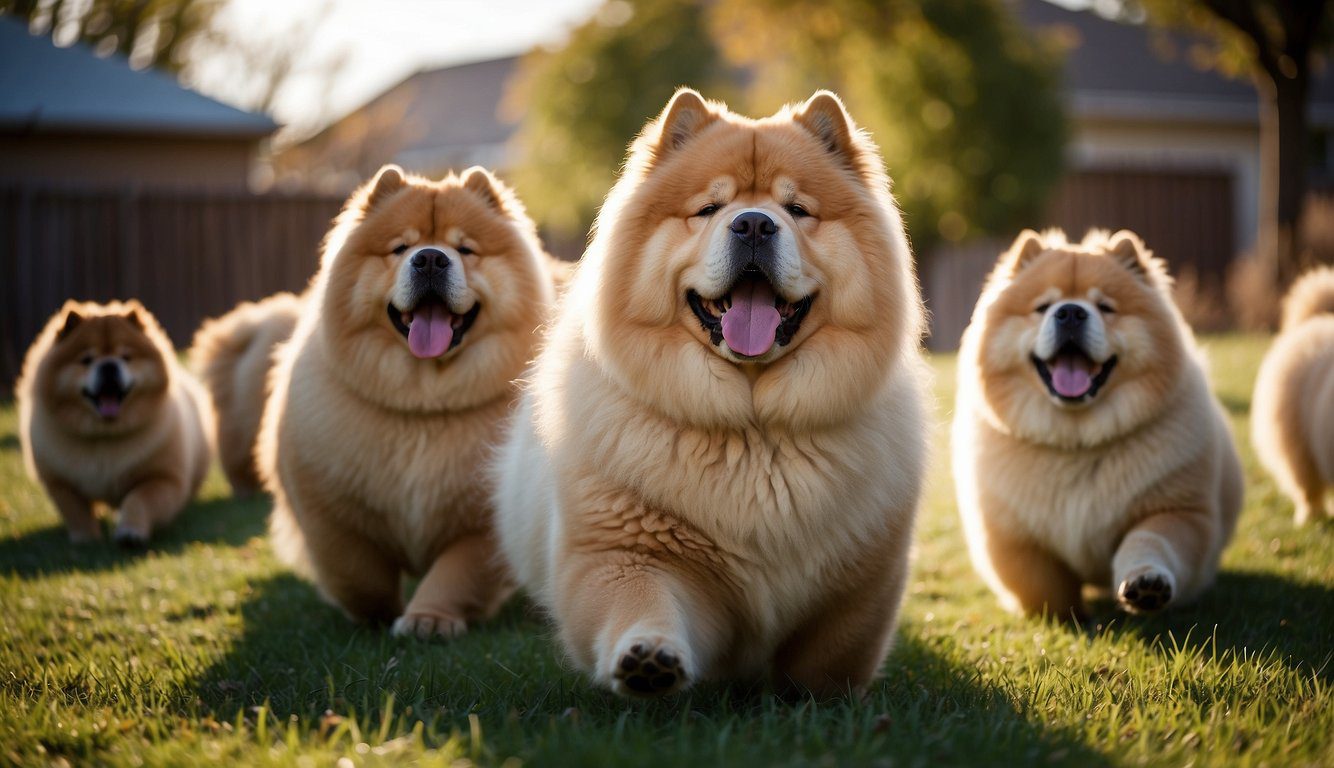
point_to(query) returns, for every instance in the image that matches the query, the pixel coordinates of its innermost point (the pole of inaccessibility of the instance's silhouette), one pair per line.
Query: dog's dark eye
(1041, 309)
(86, 360)
(797, 210)
(464, 250)
(1106, 309)
(125, 357)
(402, 249)
(707, 210)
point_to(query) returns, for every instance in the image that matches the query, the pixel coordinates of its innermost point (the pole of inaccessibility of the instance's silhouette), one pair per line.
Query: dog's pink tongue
(750, 324)
(430, 332)
(108, 407)
(1070, 376)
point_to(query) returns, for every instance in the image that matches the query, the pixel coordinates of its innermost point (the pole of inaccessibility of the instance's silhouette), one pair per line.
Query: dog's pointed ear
(1026, 247)
(72, 319)
(681, 120)
(1129, 251)
(825, 117)
(387, 181)
(134, 314)
(480, 182)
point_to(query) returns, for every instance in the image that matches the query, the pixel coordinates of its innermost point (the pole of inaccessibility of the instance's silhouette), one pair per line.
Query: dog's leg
(634, 626)
(149, 505)
(465, 583)
(1166, 558)
(351, 571)
(80, 520)
(840, 649)
(1032, 579)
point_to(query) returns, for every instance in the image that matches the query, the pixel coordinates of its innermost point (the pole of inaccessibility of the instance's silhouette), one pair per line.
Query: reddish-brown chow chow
(109, 420)
(1088, 449)
(388, 398)
(715, 470)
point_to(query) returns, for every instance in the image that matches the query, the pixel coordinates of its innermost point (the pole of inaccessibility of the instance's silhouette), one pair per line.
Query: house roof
(45, 88)
(1119, 70)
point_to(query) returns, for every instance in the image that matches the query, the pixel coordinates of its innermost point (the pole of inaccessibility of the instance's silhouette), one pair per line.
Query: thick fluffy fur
(232, 355)
(684, 513)
(1292, 413)
(375, 454)
(143, 452)
(1135, 488)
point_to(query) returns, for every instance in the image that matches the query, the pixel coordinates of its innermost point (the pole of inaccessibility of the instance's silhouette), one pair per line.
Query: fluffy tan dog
(715, 471)
(390, 395)
(233, 355)
(108, 418)
(1292, 413)
(1088, 448)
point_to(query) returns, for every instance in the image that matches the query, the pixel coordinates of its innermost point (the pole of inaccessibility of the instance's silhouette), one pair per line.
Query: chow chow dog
(390, 395)
(108, 418)
(1087, 446)
(233, 355)
(715, 469)
(1292, 413)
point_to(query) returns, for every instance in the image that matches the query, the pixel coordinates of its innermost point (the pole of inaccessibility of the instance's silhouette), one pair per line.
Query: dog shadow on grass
(1244, 614)
(217, 521)
(298, 657)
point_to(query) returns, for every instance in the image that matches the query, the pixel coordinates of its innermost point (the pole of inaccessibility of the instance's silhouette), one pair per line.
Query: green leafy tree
(152, 33)
(1275, 43)
(584, 102)
(962, 100)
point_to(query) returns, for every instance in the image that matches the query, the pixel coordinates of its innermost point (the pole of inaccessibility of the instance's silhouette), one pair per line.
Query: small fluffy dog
(232, 355)
(715, 470)
(108, 418)
(1088, 448)
(1292, 413)
(390, 395)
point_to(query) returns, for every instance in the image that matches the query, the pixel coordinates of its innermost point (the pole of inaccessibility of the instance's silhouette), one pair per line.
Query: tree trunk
(1284, 139)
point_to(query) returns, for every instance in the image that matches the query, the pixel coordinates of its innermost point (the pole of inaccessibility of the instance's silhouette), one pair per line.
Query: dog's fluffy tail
(220, 342)
(1311, 295)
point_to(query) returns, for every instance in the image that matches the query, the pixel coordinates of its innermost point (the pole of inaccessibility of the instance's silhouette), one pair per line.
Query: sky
(380, 42)
(377, 43)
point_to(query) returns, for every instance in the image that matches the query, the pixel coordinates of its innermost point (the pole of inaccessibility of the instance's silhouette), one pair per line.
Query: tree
(962, 100)
(963, 103)
(583, 103)
(1276, 43)
(151, 33)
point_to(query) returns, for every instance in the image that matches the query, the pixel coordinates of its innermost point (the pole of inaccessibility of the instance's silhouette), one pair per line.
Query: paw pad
(1148, 592)
(645, 670)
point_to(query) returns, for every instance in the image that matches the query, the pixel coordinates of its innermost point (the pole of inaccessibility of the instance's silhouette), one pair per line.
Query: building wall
(51, 159)
(1114, 145)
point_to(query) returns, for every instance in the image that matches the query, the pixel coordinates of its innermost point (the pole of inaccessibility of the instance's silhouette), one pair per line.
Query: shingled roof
(1119, 70)
(48, 89)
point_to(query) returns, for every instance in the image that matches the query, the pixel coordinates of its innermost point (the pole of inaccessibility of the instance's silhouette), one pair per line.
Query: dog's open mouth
(1071, 375)
(107, 399)
(430, 327)
(751, 317)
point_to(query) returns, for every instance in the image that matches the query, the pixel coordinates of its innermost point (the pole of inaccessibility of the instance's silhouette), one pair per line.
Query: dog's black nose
(753, 227)
(107, 377)
(1071, 316)
(430, 261)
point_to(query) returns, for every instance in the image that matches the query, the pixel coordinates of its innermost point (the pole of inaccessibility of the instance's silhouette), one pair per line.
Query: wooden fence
(185, 255)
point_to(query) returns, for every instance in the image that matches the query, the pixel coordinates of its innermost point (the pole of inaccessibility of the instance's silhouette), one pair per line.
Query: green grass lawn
(205, 649)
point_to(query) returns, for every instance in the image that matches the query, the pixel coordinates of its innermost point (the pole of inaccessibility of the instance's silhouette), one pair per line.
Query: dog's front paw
(130, 537)
(426, 626)
(648, 666)
(1148, 591)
